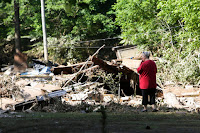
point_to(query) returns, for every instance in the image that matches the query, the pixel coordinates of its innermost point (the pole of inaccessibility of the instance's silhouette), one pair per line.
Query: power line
(108, 47)
(93, 47)
(104, 39)
(96, 40)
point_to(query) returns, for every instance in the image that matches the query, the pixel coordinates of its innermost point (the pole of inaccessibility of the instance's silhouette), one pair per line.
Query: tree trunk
(17, 26)
(19, 58)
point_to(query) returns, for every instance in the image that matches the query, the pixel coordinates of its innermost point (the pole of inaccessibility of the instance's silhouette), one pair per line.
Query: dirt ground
(109, 122)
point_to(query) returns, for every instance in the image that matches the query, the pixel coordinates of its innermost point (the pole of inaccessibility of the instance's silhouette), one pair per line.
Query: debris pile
(178, 97)
(74, 85)
(95, 82)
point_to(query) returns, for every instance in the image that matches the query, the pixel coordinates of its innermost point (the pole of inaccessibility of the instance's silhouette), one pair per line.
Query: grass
(160, 122)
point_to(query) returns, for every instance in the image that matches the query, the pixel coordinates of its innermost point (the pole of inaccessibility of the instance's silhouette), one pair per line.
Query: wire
(93, 47)
(108, 47)
(97, 40)
(104, 39)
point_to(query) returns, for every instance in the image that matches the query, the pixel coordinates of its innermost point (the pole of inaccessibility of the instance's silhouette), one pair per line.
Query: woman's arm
(139, 69)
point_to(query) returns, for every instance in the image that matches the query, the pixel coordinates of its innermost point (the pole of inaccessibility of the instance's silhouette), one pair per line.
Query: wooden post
(119, 90)
(44, 31)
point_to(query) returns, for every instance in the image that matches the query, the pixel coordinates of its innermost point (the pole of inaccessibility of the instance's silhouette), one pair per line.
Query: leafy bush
(167, 28)
(59, 50)
(112, 81)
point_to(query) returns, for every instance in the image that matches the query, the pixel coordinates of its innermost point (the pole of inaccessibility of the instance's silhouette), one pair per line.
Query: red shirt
(147, 77)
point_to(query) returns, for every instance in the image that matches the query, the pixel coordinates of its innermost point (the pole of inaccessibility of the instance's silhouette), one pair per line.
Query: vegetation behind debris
(168, 28)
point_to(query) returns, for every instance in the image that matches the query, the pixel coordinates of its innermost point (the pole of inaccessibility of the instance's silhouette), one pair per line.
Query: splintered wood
(188, 98)
(181, 92)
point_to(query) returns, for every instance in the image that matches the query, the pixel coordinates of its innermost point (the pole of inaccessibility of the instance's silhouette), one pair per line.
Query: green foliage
(179, 70)
(84, 19)
(169, 29)
(5, 9)
(136, 17)
(60, 50)
(112, 81)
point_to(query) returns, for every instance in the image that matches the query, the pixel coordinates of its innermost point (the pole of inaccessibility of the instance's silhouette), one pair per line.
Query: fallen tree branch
(90, 58)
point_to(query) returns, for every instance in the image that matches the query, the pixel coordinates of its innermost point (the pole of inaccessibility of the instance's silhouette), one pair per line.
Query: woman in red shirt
(147, 79)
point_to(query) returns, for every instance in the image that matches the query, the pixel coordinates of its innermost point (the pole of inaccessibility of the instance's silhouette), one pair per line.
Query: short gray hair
(146, 54)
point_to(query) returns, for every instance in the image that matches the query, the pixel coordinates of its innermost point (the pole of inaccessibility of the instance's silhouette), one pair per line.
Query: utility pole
(44, 31)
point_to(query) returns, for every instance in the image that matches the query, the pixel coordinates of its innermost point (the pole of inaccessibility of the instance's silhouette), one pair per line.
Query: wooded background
(168, 28)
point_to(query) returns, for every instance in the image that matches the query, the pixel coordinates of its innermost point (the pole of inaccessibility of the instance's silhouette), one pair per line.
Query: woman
(147, 79)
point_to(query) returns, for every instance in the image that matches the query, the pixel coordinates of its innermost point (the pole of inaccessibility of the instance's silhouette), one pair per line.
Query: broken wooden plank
(7, 103)
(127, 51)
(79, 97)
(132, 64)
(35, 76)
(24, 103)
(124, 99)
(181, 92)
(189, 94)
(108, 97)
(51, 95)
(27, 103)
(104, 65)
(47, 87)
(69, 69)
(81, 86)
(128, 75)
(112, 68)
(30, 92)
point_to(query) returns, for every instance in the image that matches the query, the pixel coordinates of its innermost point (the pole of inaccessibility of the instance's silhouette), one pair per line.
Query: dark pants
(151, 93)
